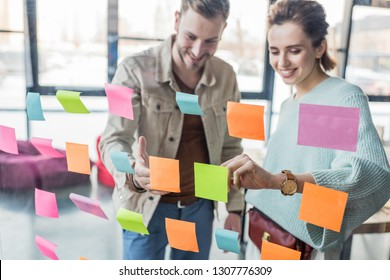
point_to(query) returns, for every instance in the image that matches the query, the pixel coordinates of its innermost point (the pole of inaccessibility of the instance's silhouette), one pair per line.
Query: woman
(298, 53)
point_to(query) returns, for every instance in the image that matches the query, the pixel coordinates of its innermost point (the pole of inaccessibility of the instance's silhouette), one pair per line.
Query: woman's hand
(245, 173)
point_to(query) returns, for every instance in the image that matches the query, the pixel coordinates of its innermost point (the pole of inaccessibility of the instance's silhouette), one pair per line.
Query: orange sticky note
(322, 206)
(164, 174)
(77, 158)
(245, 120)
(272, 251)
(83, 258)
(181, 235)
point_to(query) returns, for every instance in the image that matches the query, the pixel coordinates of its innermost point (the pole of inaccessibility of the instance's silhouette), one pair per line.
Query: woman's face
(292, 55)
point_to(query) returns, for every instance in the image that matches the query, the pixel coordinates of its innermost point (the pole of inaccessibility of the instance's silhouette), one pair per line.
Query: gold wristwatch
(289, 186)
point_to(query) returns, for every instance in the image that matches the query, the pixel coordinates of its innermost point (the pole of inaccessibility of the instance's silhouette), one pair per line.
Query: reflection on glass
(72, 42)
(369, 54)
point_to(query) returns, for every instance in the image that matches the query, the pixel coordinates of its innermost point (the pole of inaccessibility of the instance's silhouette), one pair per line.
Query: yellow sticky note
(71, 101)
(272, 251)
(181, 235)
(77, 158)
(245, 120)
(164, 174)
(322, 206)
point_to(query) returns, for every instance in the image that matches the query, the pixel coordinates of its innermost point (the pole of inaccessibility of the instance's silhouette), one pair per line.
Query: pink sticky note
(329, 127)
(119, 100)
(46, 247)
(88, 205)
(45, 204)
(8, 142)
(45, 147)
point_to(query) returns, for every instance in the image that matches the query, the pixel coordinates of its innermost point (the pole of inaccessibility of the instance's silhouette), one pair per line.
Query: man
(183, 63)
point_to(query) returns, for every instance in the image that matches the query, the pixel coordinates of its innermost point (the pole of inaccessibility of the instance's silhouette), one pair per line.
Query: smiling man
(185, 62)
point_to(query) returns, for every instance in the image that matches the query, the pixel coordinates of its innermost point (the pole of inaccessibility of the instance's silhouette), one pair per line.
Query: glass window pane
(11, 15)
(72, 42)
(369, 54)
(12, 81)
(242, 43)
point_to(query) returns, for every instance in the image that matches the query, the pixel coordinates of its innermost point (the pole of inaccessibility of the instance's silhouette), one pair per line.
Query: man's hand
(141, 176)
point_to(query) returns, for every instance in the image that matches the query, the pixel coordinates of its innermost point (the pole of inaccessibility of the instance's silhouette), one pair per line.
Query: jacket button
(158, 107)
(224, 109)
(150, 197)
(171, 139)
(177, 107)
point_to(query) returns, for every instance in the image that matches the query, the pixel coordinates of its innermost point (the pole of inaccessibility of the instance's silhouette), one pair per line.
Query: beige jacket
(158, 118)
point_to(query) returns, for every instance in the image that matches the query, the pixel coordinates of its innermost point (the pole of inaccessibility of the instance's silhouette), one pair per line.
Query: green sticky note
(131, 221)
(211, 181)
(71, 102)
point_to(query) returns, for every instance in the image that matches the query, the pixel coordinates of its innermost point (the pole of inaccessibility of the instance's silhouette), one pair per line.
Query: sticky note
(34, 107)
(188, 103)
(164, 174)
(46, 247)
(131, 221)
(245, 120)
(121, 161)
(181, 235)
(272, 251)
(323, 206)
(44, 146)
(211, 181)
(8, 142)
(329, 127)
(119, 100)
(45, 204)
(70, 101)
(77, 158)
(88, 205)
(227, 240)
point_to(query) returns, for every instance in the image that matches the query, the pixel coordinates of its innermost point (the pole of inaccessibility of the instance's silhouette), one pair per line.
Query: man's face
(197, 38)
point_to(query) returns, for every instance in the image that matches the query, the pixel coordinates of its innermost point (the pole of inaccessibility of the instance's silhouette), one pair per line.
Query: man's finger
(143, 155)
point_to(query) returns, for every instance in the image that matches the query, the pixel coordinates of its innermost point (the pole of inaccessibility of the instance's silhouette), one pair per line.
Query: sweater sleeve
(364, 175)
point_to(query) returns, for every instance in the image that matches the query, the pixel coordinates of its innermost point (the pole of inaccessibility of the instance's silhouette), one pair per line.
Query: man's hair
(208, 8)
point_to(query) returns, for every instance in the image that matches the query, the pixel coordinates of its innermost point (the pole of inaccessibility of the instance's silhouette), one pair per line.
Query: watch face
(289, 187)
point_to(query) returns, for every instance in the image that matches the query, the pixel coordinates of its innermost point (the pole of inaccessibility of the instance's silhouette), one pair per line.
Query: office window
(242, 44)
(72, 42)
(12, 81)
(369, 53)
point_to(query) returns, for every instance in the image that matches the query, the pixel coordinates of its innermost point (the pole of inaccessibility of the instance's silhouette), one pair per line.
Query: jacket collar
(164, 65)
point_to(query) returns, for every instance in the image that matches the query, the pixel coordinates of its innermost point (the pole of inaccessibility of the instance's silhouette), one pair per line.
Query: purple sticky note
(45, 204)
(88, 205)
(119, 100)
(8, 142)
(329, 127)
(46, 247)
(44, 146)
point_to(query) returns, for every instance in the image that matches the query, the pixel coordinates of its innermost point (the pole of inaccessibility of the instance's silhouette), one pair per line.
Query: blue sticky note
(121, 162)
(188, 103)
(227, 240)
(34, 107)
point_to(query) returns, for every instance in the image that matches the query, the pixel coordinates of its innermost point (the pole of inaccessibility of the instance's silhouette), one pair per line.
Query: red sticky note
(322, 206)
(245, 120)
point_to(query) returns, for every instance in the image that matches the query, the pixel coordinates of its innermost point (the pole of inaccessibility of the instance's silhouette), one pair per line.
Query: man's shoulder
(221, 65)
(140, 56)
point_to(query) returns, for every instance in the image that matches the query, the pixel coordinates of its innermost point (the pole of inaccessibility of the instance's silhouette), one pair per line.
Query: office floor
(76, 233)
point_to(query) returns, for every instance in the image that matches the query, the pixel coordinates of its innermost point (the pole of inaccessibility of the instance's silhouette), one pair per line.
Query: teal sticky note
(34, 107)
(121, 162)
(188, 103)
(211, 181)
(131, 221)
(71, 102)
(227, 240)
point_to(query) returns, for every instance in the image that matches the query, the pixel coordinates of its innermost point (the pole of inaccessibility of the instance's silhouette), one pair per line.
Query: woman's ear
(321, 49)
